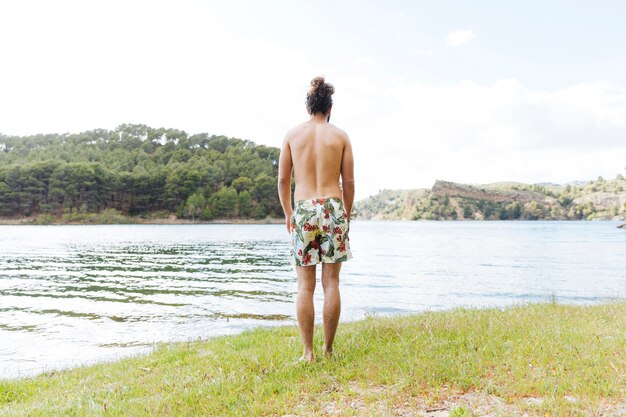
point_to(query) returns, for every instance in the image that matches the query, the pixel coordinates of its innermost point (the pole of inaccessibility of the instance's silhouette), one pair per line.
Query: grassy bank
(540, 359)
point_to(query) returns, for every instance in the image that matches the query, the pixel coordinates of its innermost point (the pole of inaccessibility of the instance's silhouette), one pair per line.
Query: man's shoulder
(341, 134)
(294, 131)
(337, 130)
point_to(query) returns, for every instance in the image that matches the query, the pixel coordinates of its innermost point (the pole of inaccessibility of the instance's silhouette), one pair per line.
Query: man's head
(319, 97)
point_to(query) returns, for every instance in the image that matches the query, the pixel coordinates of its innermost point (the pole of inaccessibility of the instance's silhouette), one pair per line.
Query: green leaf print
(308, 216)
(342, 259)
(338, 220)
(331, 249)
(307, 248)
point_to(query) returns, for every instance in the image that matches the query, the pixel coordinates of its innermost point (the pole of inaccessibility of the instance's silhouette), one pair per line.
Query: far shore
(30, 221)
(138, 220)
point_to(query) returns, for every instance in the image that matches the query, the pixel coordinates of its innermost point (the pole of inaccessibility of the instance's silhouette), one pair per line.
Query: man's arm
(284, 180)
(347, 177)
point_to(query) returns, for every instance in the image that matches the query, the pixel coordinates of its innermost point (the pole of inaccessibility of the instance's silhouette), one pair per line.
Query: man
(319, 154)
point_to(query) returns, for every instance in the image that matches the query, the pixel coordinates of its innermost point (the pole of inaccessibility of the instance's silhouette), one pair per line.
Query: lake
(72, 295)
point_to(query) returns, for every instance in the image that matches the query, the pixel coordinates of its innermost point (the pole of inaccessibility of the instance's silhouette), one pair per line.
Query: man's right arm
(347, 177)
(285, 166)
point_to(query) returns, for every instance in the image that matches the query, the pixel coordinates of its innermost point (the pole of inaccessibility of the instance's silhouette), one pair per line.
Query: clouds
(477, 133)
(459, 37)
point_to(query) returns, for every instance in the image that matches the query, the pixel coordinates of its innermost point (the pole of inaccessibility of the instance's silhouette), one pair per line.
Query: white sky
(471, 92)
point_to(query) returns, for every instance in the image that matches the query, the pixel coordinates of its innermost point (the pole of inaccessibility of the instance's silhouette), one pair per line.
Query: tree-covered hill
(599, 199)
(136, 170)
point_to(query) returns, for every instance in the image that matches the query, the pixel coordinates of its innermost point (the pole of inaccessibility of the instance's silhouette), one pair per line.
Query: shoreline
(529, 358)
(29, 221)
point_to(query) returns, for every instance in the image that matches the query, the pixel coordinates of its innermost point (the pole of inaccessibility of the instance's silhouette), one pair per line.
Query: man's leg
(332, 303)
(305, 310)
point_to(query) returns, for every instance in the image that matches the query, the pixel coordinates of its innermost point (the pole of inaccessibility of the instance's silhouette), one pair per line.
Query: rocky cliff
(600, 199)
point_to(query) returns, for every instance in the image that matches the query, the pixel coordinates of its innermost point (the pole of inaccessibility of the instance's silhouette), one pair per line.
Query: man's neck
(319, 118)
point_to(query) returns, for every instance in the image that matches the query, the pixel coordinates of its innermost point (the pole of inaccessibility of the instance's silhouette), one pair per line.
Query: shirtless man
(318, 153)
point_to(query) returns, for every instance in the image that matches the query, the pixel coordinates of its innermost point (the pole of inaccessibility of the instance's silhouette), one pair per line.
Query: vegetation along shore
(535, 358)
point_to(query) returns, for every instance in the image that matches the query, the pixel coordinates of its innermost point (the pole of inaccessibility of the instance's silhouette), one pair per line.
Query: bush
(110, 216)
(44, 219)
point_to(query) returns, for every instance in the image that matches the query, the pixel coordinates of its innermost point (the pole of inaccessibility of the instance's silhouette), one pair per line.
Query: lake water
(71, 295)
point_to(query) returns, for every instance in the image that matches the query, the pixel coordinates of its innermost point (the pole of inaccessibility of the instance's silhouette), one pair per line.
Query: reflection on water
(75, 294)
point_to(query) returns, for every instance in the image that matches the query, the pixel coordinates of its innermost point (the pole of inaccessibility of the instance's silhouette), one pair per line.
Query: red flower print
(338, 238)
(310, 227)
(314, 202)
(342, 247)
(326, 215)
(299, 252)
(321, 200)
(322, 251)
(315, 244)
(337, 230)
(326, 229)
(306, 259)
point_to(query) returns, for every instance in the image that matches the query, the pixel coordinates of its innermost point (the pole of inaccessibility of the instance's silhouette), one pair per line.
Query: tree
(194, 205)
(265, 194)
(242, 184)
(245, 204)
(514, 210)
(467, 212)
(224, 202)
(5, 206)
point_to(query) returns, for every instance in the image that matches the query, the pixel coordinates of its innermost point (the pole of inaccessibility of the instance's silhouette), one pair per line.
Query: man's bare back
(317, 150)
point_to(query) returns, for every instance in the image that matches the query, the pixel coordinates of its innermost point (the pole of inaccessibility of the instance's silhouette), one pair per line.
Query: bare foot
(308, 357)
(328, 353)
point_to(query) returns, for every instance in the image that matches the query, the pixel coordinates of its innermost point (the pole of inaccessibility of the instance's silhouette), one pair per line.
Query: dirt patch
(359, 400)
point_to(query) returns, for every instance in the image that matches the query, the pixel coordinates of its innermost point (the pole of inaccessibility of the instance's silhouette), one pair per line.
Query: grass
(570, 360)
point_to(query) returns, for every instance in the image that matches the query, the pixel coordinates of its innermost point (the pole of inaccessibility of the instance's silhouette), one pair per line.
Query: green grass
(382, 365)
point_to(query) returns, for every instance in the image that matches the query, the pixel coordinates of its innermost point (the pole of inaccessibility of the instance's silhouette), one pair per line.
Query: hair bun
(319, 95)
(316, 83)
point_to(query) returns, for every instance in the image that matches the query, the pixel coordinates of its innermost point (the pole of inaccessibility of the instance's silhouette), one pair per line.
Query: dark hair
(319, 97)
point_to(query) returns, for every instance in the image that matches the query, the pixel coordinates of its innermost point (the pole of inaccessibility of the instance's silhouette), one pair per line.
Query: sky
(472, 92)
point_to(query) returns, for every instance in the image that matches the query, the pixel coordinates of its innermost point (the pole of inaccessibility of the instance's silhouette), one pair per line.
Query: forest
(136, 170)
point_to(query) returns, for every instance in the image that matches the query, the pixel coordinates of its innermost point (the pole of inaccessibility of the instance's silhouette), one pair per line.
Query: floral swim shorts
(319, 232)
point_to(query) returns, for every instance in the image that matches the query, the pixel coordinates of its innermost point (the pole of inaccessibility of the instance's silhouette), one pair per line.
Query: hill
(599, 199)
(135, 170)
